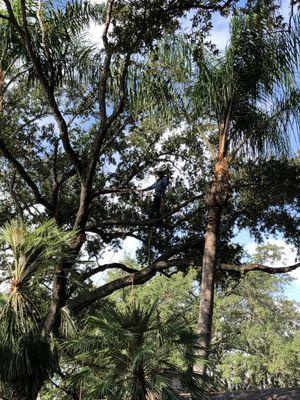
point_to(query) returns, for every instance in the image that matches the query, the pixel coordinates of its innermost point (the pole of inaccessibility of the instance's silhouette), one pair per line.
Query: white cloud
(220, 33)
(95, 32)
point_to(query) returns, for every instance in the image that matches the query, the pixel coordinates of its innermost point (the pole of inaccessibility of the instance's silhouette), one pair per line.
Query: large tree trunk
(59, 291)
(140, 392)
(207, 284)
(1, 99)
(217, 196)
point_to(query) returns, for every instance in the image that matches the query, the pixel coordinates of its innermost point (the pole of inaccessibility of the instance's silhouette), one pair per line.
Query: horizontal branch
(138, 278)
(105, 267)
(258, 267)
(113, 190)
(145, 222)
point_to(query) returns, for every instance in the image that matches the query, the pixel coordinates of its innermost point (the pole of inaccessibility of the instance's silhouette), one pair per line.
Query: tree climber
(160, 187)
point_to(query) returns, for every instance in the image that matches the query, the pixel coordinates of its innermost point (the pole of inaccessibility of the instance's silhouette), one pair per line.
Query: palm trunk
(207, 284)
(1, 90)
(140, 391)
(19, 392)
(1, 99)
(217, 197)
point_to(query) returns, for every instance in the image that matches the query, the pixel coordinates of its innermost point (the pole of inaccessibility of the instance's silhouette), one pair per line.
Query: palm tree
(241, 104)
(28, 357)
(252, 95)
(126, 354)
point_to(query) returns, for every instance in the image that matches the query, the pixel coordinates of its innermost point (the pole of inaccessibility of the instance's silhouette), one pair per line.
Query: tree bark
(217, 197)
(207, 285)
(140, 392)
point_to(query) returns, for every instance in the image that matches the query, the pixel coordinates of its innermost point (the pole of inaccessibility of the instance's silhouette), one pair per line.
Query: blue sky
(220, 36)
(292, 290)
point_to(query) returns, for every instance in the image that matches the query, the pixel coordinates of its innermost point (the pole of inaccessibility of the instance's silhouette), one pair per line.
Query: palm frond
(135, 341)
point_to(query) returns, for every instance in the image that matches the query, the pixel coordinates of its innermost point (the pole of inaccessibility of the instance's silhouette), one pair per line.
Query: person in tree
(160, 187)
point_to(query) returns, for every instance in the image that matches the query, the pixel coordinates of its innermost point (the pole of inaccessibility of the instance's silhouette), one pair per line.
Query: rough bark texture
(207, 283)
(217, 197)
(140, 392)
(1, 90)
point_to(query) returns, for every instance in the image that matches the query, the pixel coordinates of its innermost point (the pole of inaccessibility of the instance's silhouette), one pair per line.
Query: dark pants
(157, 205)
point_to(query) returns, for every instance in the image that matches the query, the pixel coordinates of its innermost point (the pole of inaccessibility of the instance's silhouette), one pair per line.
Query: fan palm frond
(33, 251)
(28, 358)
(130, 350)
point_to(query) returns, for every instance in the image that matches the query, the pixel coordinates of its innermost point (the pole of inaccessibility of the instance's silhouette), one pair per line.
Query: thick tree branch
(144, 275)
(258, 267)
(116, 234)
(105, 267)
(145, 222)
(137, 278)
(106, 66)
(106, 123)
(122, 91)
(59, 181)
(21, 170)
(25, 39)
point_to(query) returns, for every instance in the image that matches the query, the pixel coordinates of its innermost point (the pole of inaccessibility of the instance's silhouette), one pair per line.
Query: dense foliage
(83, 126)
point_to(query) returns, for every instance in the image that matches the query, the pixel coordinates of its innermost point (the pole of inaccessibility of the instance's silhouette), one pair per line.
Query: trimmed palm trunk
(1, 90)
(207, 283)
(140, 392)
(217, 196)
(20, 393)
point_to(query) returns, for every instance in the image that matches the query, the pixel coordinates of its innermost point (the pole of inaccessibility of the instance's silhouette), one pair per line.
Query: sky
(219, 36)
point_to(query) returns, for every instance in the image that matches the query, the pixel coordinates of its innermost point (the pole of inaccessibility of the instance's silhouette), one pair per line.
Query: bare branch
(162, 266)
(113, 190)
(105, 267)
(147, 222)
(59, 181)
(122, 91)
(21, 170)
(105, 123)
(107, 21)
(13, 79)
(137, 278)
(106, 66)
(258, 267)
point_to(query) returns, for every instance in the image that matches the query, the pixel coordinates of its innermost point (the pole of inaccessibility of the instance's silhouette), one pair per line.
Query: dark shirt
(160, 186)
